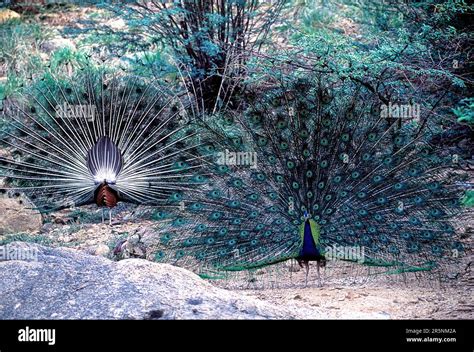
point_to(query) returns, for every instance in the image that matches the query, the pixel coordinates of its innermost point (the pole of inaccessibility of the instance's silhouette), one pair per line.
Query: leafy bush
(465, 111)
(20, 53)
(210, 40)
(468, 199)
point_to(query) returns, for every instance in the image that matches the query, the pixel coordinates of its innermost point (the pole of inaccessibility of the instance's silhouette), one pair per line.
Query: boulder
(63, 283)
(6, 14)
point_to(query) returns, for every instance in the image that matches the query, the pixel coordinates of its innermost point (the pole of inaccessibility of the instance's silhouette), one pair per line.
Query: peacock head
(306, 215)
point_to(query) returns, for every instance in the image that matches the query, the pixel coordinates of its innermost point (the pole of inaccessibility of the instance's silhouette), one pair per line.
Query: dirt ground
(355, 295)
(374, 302)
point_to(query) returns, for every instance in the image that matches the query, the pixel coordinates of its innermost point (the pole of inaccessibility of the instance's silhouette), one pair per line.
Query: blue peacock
(305, 171)
(96, 135)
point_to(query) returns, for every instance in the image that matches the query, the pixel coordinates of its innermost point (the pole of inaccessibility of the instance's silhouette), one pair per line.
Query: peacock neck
(310, 229)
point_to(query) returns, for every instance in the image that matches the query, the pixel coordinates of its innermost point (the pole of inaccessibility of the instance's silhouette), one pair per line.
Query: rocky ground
(96, 270)
(62, 283)
(72, 283)
(69, 284)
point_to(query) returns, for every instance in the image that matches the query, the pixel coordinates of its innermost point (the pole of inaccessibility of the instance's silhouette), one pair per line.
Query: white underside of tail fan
(132, 142)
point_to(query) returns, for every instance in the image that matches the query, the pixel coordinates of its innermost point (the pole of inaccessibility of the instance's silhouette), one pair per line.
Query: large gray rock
(69, 284)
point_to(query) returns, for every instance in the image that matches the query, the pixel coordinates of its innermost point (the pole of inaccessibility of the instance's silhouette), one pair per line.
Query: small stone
(134, 239)
(57, 43)
(154, 314)
(18, 217)
(116, 23)
(60, 221)
(195, 301)
(102, 250)
(47, 227)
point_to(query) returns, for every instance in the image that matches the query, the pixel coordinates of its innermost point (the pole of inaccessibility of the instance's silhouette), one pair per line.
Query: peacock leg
(319, 275)
(110, 217)
(306, 266)
(103, 218)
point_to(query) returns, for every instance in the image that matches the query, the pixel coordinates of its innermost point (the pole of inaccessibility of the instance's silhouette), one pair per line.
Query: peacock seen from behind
(310, 175)
(96, 136)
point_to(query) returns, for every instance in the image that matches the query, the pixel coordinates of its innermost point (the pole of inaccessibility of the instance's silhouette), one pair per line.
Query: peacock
(297, 172)
(96, 136)
(312, 174)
